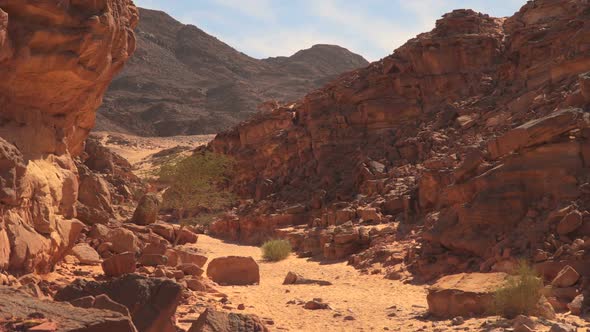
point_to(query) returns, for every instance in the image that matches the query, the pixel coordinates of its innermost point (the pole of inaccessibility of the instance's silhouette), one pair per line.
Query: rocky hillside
(184, 81)
(468, 146)
(56, 62)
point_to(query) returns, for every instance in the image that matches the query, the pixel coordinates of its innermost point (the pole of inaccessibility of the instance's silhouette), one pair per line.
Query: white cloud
(286, 42)
(386, 35)
(260, 9)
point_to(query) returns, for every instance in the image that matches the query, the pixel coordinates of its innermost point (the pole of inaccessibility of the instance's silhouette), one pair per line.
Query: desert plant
(520, 294)
(276, 250)
(196, 183)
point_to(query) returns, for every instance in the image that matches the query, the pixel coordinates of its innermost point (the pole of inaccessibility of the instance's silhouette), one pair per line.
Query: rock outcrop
(184, 81)
(464, 294)
(212, 320)
(56, 61)
(60, 317)
(467, 147)
(151, 302)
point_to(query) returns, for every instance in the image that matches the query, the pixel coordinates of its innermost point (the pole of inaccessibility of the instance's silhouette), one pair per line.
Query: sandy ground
(375, 303)
(137, 149)
(359, 302)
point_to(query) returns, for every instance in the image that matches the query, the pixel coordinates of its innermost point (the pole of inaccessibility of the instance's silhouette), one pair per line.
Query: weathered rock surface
(119, 264)
(16, 304)
(293, 278)
(473, 135)
(56, 61)
(464, 294)
(217, 321)
(85, 254)
(234, 270)
(567, 277)
(147, 210)
(151, 302)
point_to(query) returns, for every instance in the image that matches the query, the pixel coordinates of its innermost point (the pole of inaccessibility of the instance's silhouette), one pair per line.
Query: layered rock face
(56, 61)
(475, 134)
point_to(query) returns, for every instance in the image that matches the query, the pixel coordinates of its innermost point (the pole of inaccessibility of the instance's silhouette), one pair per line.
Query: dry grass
(520, 295)
(276, 250)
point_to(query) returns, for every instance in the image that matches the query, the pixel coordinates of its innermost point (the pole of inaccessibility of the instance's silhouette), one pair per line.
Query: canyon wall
(56, 61)
(474, 134)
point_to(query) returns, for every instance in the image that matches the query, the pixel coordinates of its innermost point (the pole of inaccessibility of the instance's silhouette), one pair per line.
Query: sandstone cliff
(468, 142)
(184, 81)
(56, 61)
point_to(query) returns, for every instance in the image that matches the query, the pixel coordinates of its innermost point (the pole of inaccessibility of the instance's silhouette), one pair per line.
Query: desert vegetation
(276, 250)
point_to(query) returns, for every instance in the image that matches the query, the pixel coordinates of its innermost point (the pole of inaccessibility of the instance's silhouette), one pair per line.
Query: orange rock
(119, 264)
(234, 270)
(464, 294)
(49, 114)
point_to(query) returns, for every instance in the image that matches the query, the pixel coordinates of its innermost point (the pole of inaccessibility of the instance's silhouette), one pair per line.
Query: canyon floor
(358, 300)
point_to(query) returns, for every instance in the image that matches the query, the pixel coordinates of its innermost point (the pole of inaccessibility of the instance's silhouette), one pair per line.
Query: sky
(371, 28)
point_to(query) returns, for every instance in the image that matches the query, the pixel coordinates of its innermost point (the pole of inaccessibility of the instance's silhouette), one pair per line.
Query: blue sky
(372, 28)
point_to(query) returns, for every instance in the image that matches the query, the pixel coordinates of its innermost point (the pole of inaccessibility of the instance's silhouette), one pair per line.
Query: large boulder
(85, 254)
(123, 240)
(147, 210)
(119, 264)
(234, 270)
(464, 294)
(152, 302)
(18, 305)
(567, 277)
(217, 321)
(190, 256)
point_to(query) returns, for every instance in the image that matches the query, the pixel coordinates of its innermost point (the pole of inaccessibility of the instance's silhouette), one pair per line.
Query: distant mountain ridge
(185, 81)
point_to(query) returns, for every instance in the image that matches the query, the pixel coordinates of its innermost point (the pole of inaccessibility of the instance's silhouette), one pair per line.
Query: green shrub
(520, 295)
(276, 250)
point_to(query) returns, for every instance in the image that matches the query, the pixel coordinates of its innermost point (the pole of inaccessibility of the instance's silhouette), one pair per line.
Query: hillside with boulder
(463, 151)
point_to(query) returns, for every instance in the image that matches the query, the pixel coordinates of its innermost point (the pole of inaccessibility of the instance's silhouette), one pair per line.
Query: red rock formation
(56, 60)
(465, 133)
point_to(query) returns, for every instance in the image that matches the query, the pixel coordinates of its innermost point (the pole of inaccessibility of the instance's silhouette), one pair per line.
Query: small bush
(276, 250)
(520, 295)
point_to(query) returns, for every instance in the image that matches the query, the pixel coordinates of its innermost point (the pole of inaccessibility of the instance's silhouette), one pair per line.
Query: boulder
(212, 320)
(293, 278)
(316, 304)
(190, 256)
(119, 264)
(100, 302)
(234, 270)
(17, 305)
(123, 240)
(151, 302)
(576, 305)
(569, 223)
(85, 254)
(464, 294)
(147, 210)
(567, 277)
(94, 191)
(152, 260)
(190, 269)
(562, 327)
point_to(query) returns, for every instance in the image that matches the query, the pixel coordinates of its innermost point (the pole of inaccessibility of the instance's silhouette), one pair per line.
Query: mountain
(184, 81)
(469, 146)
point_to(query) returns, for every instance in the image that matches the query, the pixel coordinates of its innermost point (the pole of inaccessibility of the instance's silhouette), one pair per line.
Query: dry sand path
(377, 304)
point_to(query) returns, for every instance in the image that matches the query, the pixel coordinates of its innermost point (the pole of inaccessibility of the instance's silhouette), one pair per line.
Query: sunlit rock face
(471, 128)
(56, 60)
